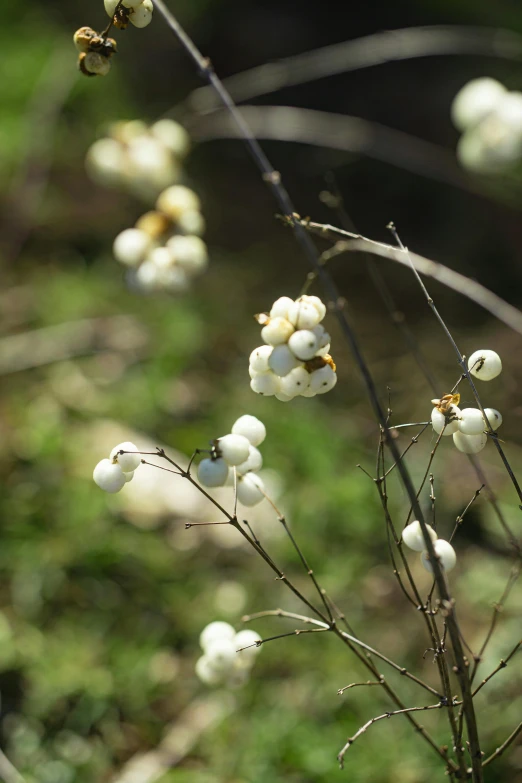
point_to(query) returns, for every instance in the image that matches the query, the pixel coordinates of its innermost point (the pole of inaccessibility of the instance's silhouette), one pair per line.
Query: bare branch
(367, 725)
(364, 52)
(499, 751)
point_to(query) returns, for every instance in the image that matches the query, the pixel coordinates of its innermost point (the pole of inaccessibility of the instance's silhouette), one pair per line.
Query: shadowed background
(103, 598)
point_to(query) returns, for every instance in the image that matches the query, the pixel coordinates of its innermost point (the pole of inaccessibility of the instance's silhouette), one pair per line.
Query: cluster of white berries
(137, 12)
(96, 49)
(140, 158)
(413, 538)
(112, 474)
(225, 661)
(295, 359)
(468, 426)
(163, 251)
(237, 452)
(490, 118)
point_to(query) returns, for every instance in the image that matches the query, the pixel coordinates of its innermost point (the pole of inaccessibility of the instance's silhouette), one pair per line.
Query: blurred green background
(103, 598)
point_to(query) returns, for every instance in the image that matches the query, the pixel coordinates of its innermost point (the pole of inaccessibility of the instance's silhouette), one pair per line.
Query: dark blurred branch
(499, 751)
(199, 718)
(43, 114)
(365, 52)
(67, 340)
(340, 132)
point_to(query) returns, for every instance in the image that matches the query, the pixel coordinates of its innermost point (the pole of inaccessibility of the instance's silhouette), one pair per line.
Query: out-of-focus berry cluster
(139, 158)
(228, 657)
(164, 249)
(490, 118)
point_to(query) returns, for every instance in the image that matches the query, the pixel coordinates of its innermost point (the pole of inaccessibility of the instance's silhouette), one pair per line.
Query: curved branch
(478, 293)
(365, 52)
(340, 132)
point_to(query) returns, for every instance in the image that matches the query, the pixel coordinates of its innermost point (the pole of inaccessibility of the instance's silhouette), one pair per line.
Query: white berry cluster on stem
(112, 474)
(295, 360)
(490, 118)
(225, 661)
(137, 12)
(237, 453)
(413, 538)
(468, 426)
(96, 49)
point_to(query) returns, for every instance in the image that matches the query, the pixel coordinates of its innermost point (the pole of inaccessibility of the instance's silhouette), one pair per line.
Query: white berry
(247, 638)
(296, 382)
(259, 358)
(221, 654)
(212, 472)
(446, 554)
(277, 331)
(131, 246)
(470, 444)
(440, 422)
(97, 63)
(191, 223)
(471, 421)
(413, 538)
(475, 101)
(233, 448)
(142, 15)
(176, 200)
(253, 462)
(322, 380)
(215, 631)
(189, 252)
(105, 161)
(127, 462)
(251, 428)
(284, 397)
(281, 307)
(304, 344)
(282, 360)
(316, 302)
(494, 417)
(250, 489)
(266, 384)
(206, 672)
(485, 365)
(172, 135)
(109, 476)
(303, 315)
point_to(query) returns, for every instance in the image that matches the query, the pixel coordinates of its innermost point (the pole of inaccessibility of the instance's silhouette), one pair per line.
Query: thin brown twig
(357, 684)
(502, 665)
(367, 725)
(281, 518)
(458, 282)
(499, 751)
(460, 518)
